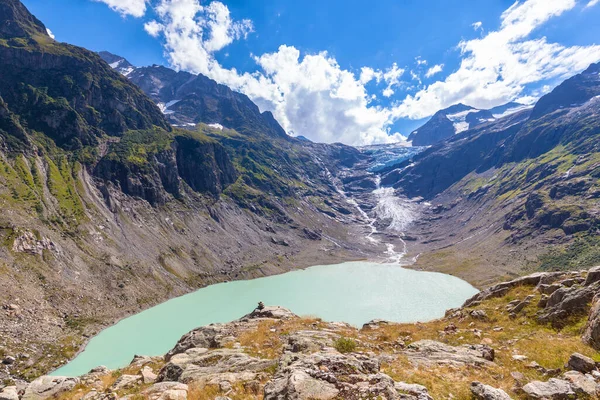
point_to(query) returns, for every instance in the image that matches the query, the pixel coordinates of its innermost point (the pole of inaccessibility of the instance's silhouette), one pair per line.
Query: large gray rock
(271, 312)
(9, 393)
(310, 341)
(412, 390)
(208, 366)
(208, 337)
(166, 391)
(581, 363)
(486, 392)
(46, 387)
(554, 389)
(593, 276)
(126, 382)
(566, 302)
(591, 334)
(582, 384)
(430, 352)
(329, 375)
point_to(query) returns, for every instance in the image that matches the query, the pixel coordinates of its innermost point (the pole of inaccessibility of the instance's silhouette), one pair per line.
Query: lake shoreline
(347, 282)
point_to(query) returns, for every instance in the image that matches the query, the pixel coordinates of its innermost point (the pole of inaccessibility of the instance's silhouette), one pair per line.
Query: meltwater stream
(354, 292)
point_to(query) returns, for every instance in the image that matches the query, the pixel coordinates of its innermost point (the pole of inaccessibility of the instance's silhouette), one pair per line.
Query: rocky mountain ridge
(457, 119)
(488, 349)
(524, 188)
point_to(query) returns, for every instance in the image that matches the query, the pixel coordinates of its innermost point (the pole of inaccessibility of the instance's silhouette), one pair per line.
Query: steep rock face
(190, 99)
(573, 92)
(205, 167)
(17, 22)
(64, 91)
(438, 168)
(457, 119)
(437, 129)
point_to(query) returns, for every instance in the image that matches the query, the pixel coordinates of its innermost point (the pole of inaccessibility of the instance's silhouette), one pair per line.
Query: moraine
(354, 292)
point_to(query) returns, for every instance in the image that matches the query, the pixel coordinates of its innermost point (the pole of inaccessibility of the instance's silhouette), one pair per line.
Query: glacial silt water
(353, 292)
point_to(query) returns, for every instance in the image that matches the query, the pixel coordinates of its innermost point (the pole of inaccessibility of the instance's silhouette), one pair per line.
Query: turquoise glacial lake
(353, 292)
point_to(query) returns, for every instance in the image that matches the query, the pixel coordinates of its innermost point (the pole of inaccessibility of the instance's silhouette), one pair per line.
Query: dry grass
(522, 335)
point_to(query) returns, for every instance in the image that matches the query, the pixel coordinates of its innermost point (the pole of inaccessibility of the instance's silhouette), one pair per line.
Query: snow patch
(459, 120)
(217, 126)
(164, 108)
(512, 111)
(460, 127)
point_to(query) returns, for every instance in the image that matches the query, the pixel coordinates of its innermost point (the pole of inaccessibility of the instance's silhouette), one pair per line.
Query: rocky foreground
(535, 337)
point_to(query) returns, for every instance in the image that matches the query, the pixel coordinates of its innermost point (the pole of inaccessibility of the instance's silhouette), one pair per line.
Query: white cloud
(135, 8)
(436, 69)
(368, 74)
(392, 78)
(153, 28)
(50, 33)
(497, 67)
(592, 3)
(313, 96)
(477, 25)
(310, 95)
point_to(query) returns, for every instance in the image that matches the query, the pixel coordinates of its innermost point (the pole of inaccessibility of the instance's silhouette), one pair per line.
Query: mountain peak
(120, 64)
(17, 22)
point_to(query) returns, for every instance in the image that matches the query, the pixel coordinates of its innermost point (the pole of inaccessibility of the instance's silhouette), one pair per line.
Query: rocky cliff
(529, 338)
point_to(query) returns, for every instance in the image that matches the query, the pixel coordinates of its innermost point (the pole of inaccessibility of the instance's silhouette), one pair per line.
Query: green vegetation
(137, 146)
(583, 252)
(345, 345)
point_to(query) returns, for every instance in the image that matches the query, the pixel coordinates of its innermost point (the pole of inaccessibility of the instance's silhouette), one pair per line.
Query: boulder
(567, 301)
(418, 392)
(9, 393)
(271, 312)
(330, 375)
(593, 276)
(581, 363)
(554, 389)
(209, 337)
(479, 314)
(591, 334)
(310, 341)
(148, 376)
(583, 385)
(486, 392)
(126, 382)
(213, 366)
(430, 352)
(166, 391)
(46, 387)
(9, 360)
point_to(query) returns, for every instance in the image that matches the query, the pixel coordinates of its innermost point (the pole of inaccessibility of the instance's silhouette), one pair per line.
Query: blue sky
(349, 70)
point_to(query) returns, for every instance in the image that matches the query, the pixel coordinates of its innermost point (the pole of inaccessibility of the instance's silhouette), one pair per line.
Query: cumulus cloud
(135, 8)
(477, 25)
(497, 67)
(436, 69)
(392, 78)
(313, 96)
(50, 33)
(592, 3)
(310, 95)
